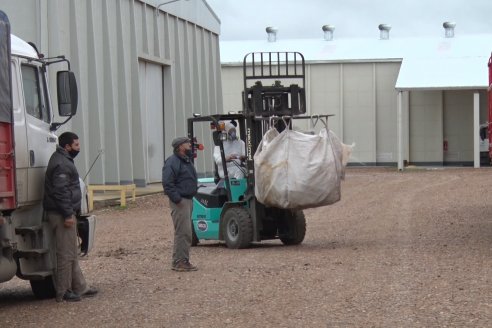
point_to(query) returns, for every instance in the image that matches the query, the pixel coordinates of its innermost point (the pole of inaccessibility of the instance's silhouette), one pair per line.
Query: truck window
(34, 95)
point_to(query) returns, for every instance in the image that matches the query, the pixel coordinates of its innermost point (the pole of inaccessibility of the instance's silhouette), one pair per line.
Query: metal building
(143, 67)
(416, 100)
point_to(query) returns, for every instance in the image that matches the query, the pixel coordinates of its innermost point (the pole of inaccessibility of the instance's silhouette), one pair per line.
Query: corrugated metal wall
(364, 100)
(426, 127)
(360, 95)
(108, 42)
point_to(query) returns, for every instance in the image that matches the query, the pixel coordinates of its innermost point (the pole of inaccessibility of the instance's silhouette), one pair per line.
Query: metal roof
(198, 12)
(443, 73)
(427, 62)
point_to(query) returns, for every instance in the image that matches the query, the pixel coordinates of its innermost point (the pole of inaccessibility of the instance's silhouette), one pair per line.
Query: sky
(247, 19)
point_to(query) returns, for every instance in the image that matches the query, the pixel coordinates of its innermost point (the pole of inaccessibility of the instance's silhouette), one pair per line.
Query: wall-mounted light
(165, 3)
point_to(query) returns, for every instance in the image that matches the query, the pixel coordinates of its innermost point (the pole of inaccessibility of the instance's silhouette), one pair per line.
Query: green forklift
(227, 209)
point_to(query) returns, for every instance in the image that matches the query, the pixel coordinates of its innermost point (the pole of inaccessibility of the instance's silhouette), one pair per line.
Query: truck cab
(34, 140)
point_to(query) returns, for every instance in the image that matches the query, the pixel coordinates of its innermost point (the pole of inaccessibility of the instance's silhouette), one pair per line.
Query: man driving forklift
(235, 154)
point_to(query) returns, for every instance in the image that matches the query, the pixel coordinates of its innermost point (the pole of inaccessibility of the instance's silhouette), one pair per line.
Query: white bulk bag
(296, 170)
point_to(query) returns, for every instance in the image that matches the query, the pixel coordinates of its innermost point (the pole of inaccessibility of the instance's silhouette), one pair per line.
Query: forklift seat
(211, 196)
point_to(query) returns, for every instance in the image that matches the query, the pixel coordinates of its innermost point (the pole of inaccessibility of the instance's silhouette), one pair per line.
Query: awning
(445, 73)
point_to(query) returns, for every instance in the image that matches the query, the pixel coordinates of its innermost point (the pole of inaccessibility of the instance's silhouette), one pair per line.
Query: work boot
(69, 296)
(90, 292)
(183, 266)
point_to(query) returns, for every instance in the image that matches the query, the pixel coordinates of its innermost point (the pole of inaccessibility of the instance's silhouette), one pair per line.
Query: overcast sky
(247, 19)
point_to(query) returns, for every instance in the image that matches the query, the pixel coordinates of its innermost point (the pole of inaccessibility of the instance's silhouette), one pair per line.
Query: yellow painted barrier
(123, 189)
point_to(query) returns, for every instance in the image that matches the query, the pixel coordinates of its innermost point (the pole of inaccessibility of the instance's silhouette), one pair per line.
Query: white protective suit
(234, 147)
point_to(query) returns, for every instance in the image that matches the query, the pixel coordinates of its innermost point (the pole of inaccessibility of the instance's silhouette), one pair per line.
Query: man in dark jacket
(180, 185)
(62, 199)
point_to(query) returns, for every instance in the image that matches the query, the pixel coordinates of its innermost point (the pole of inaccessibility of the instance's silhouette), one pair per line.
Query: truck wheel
(43, 289)
(237, 228)
(296, 225)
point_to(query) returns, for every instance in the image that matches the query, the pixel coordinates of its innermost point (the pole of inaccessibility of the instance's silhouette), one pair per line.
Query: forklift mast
(274, 99)
(265, 96)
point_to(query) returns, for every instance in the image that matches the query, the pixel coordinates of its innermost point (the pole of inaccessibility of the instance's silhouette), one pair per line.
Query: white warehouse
(142, 68)
(417, 100)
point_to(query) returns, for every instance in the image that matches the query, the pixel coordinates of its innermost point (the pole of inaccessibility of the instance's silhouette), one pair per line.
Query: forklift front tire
(237, 228)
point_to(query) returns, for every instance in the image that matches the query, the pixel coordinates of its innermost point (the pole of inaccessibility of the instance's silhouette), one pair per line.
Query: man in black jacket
(62, 199)
(180, 185)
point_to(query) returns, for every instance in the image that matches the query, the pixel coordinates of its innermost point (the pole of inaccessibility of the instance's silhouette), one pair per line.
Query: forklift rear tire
(297, 229)
(194, 238)
(237, 228)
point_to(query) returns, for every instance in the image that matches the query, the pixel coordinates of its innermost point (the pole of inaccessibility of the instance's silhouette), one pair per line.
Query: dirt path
(409, 249)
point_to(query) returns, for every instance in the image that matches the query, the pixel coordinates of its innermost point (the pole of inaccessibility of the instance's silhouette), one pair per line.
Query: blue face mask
(232, 135)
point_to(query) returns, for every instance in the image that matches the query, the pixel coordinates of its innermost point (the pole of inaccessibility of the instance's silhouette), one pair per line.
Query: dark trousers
(181, 214)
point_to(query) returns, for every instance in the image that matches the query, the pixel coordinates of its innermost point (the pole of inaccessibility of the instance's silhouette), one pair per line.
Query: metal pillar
(476, 130)
(399, 119)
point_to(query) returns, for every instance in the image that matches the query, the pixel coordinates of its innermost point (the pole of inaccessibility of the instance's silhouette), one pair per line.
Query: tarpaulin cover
(5, 78)
(296, 170)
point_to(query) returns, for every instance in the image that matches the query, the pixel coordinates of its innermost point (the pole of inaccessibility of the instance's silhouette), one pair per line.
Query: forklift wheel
(237, 228)
(194, 238)
(296, 226)
(43, 289)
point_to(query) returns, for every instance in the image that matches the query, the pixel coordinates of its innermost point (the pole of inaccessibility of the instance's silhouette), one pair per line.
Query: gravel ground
(410, 249)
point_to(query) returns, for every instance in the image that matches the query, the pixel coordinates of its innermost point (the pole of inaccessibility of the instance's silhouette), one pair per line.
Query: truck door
(41, 142)
(7, 167)
(21, 161)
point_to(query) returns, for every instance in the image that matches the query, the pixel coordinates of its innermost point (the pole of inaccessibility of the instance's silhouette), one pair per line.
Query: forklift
(228, 210)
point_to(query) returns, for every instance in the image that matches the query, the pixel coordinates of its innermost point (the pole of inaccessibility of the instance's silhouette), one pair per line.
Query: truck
(489, 128)
(27, 140)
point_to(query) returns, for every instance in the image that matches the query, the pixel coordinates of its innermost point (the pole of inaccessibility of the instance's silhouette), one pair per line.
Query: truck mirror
(67, 93)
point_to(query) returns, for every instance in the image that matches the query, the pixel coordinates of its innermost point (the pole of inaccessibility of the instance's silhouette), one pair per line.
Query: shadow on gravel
(252, 246)
(13, 297)
(317, 245)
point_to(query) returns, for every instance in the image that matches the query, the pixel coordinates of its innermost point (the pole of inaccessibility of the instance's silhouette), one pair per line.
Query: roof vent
(384, 31)
(449, 29)
(328, 29)
(272, 33)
